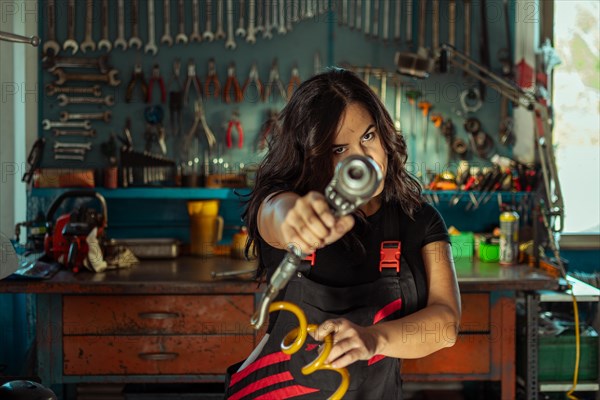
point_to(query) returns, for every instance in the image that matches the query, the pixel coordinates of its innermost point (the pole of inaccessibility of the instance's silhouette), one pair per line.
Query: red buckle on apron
(390, 255)
(311, 258)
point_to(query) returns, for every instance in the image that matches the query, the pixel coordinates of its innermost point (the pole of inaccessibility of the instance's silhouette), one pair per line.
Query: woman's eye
(339, 150)
(368, 136)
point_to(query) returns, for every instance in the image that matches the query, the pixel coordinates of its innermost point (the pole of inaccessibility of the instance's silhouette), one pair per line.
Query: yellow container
(206, 226)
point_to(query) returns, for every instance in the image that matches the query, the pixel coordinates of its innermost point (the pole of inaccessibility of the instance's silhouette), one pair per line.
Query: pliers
(200, 119)
(253, 78)
(191, 78)
(176, 99)
(211, 77)
(232, 81)
(274, 80)
(294, 81)
(161, 84)
(235, 122)
(136, 76)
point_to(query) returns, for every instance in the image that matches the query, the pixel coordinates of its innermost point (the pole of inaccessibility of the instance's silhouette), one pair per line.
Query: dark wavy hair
(300, 157)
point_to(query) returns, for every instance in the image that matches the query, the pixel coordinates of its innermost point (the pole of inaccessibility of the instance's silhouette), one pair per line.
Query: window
(576, 104)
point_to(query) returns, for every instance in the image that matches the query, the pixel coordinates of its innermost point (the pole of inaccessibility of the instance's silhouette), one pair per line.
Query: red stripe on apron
(387, 310)
(260, 384)
(287, 392)
(262, 362)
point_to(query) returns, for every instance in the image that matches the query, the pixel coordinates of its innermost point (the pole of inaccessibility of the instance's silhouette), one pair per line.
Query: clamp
(253, 78)
(211, 77)
(274, 80)
(161, 84)
(235, 122)
(191, 78)
(232, 81)
(294, 81)
(137, 76)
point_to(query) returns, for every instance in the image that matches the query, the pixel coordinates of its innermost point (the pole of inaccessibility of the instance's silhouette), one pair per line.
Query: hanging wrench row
(71, 151)
(263, 16)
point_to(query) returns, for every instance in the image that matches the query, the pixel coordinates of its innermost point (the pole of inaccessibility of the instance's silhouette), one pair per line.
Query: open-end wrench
(95, 90)
(296, 18)
(50, 43)
(397, 18)
(288, 16)
(274, 15)
(65, 145)
(375, 32)
(208, 34)
(452, 23)
(282, 29)
(181, 36)
(69, 157)
(47, 124)
(260, 26)
(409, 24)
(230, 43)
(151, 45)
(267, 32)
(386, 20)
(64, 100)
(134, 40)
(78, 151)
(51, 62)
(100, 116)
(309, 8)
(343, 13)
(166, 37)
(88, 41)
(75, 132)
(196, 36)
(241, 31)
(358, 23)
(110, 77)
(351, 12)
(220, 33)
(104, 42)
(120, 40)
(251, 36)
(71, 43)
(368, 17)
(435, 33)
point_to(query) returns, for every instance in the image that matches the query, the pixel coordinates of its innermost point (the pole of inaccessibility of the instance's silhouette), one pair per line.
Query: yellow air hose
(295, 339)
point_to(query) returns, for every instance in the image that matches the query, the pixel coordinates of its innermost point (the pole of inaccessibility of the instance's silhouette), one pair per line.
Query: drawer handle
(158, 356)
(158, 315)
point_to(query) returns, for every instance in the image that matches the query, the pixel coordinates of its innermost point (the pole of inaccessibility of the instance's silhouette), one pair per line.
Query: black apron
(275, 375)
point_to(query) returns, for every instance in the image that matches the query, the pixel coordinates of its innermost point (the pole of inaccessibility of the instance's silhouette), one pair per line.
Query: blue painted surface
(582, 260)
(15, 334)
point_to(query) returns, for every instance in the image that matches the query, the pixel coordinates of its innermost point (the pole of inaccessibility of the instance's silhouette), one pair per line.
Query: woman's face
(357, 135)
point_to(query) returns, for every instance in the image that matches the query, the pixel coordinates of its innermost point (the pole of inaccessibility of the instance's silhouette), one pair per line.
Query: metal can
(509, 237)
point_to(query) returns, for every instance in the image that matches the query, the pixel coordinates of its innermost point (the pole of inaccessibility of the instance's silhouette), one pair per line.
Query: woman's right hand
(310, 224)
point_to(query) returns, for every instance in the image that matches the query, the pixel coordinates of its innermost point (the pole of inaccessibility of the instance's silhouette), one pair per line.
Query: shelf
(564, 386)
(152, 193)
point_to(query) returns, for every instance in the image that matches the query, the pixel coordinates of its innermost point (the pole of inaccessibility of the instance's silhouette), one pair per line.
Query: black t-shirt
(344, 263)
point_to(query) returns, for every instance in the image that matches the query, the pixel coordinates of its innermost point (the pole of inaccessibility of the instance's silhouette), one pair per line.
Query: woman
(376, 315)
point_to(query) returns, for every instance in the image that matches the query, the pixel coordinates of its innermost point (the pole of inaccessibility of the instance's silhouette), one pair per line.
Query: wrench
(295, 5)
(151, 45)
(63, 100)
(110, 77)
(368, 17)
(68, 157)
(409, 17)
(120, 41)
(208, 34)
(282, 30)
(241, 31)
(274, 15)
(73, 151)
(65, 145)
(71, 43)
(230, 43)
(358, 23)
(52, 62)
(259, 16)
(47, 124)
(196, 36)
(351, 12)
(344, 14)
(95, 90)
(397, 18)
(452, 23)
(101, 116)
(50, 43)
(181, 36)
(104, 43)
(288, 17)
(220, 33)
(251, 36)
(88, 41)
(435, 33)
(166, 37)
(386, 20)
(134, 40)
(309, 9)
(78, 132)
(375, 31)
(267, 32)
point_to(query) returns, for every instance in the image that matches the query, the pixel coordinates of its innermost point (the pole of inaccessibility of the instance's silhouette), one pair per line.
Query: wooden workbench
(169, 321)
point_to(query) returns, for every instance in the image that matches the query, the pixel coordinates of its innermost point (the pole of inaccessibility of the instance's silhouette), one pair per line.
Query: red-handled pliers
(232, 81)
(235, 122)
(211, 77)
(161, 84)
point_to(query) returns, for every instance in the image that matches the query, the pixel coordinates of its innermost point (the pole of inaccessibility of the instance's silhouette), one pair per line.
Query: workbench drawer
(475, 312)
(201, 314)
(470, 355)
(153, 355)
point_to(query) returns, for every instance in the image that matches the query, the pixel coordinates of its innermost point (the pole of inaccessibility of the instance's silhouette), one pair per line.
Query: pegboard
(327, 34)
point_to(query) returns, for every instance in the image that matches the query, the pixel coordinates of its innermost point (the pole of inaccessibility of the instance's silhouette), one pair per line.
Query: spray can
(509, 238)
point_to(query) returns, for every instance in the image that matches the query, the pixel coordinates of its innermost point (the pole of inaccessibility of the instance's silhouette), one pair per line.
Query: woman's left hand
(350, 342)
